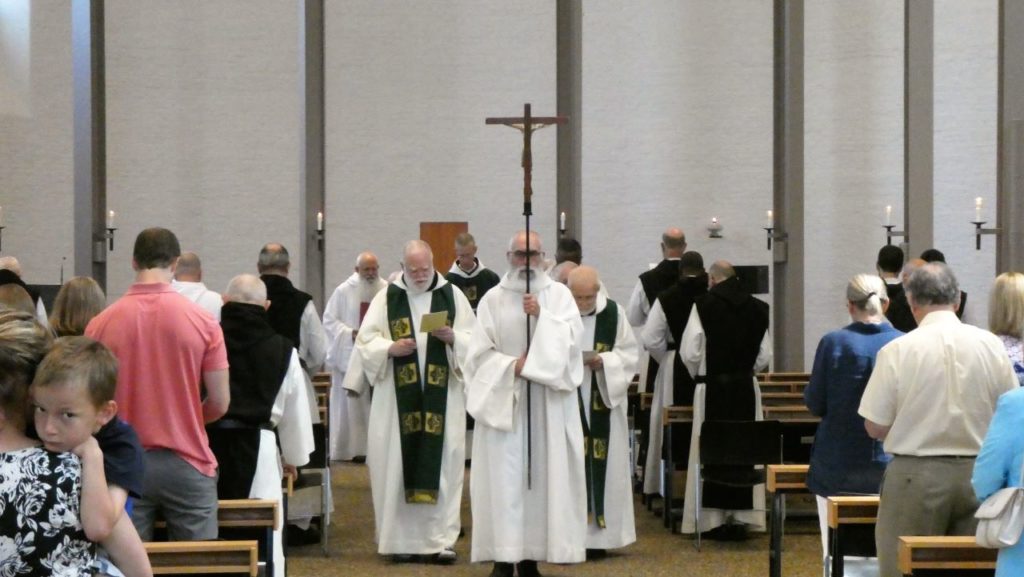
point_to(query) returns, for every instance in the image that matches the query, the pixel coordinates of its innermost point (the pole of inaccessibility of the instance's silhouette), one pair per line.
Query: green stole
(421, 410)
(598, 430)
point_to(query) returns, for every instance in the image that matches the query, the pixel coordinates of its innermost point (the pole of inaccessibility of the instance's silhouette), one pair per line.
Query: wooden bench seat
(781, 480)
(203, 557)
(945, 555)
(672, 417)
(851, 528)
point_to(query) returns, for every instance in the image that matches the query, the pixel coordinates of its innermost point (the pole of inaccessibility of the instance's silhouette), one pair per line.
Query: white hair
(866, 292)
(246, 288)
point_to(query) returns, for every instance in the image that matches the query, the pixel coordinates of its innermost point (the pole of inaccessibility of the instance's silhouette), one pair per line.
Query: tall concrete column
(569, 26)
(1010, 139)
(919, 125)
(311, 189)
(788, 187)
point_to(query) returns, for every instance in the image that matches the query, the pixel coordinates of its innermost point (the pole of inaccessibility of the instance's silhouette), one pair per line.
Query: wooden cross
(527, 124)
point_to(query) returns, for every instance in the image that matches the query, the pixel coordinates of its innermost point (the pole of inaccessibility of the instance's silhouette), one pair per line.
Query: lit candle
(561, 221)
(888, 215)
(319, 221)
(977, 209)
(771, 219)
(714, 220)
(110, 219)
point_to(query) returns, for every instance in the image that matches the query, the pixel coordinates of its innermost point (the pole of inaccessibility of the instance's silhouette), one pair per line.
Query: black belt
(235, 424)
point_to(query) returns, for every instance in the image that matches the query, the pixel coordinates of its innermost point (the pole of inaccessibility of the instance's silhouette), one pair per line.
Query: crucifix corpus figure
(528, 480)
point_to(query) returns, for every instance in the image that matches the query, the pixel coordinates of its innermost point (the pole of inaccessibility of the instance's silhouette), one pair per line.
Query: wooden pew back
(203, 557)
(945, 555)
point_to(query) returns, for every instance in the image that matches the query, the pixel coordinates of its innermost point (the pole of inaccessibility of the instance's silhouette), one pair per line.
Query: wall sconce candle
(715, 228)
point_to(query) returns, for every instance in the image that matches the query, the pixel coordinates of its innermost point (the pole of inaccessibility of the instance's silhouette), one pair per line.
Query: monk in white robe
(546, 520)
(416, 446)
(607, 333)
(343, 314)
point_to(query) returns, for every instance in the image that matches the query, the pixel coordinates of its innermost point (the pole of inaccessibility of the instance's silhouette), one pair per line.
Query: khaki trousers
(923, 496)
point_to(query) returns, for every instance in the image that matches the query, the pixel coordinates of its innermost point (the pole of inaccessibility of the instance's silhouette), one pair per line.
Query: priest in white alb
(416, 445)
(528, 491)
(350, 413)
(609, 366)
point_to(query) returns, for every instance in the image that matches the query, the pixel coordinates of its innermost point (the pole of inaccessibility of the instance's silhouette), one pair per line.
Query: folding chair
(734, 449)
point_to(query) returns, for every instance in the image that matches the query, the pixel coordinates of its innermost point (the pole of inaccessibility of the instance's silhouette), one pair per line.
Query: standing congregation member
(188, 280)
(169, 351)
(999, 465)
(416, 449)
(889, 265)
(606, 377)
(726, 340)
(1006, 317)
(292, 312)
(528, 505)
(844, 459)
(10, 273)
(343, 315)
(468, 273)
(930, 398)
(269, 406)
(661, 336)
(77, 302)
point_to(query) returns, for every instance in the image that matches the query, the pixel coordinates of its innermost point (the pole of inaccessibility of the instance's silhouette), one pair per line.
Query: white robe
(657, 337)
(692, 352)
(613, 384)
(199, 294)
(547, 522)
(349, 415)
(404, 528)
(290, 415)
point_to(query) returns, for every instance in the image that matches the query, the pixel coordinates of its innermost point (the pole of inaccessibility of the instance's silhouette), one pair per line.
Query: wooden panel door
(441, 238)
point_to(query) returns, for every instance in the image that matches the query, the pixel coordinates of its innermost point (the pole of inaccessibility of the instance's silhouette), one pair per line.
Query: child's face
(66, 416)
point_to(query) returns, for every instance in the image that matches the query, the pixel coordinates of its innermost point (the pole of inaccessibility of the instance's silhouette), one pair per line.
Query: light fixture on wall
(561, 224)
(715, 228)
(320, 230)
(110, 229)
(888, 226)
(978, 223)
(770, 229)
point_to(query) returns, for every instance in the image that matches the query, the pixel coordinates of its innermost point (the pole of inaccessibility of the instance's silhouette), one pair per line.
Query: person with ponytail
(844, 459)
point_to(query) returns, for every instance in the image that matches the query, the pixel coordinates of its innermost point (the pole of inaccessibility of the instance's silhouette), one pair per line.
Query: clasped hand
(402, 348)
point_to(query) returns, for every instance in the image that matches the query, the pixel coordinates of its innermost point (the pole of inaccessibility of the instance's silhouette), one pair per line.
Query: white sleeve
(313, 341)
(291, 416)
(764, 354)
(655, 334)
(638, 307)
(691, 347)
(41, 313)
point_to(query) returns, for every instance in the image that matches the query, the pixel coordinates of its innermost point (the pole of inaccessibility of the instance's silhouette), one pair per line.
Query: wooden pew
(781, 480)
(257, 518)
(671, 417)
(203, 557)
(851, 528)
(945, 555)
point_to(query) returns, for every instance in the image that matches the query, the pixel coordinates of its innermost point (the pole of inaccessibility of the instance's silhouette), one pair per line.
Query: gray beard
(367, 290)
(516, 278)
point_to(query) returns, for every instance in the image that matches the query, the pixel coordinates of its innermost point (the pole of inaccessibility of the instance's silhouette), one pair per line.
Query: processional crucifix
(527, 124)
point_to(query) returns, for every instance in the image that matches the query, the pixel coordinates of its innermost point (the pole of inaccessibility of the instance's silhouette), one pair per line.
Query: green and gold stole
(598, 430)
(421, 410)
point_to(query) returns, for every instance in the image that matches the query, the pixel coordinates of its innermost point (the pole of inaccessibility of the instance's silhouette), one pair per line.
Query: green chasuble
(598, 429)
(421, 409)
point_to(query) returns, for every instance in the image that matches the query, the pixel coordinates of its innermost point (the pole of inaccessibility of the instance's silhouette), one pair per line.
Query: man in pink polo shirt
(169, 351)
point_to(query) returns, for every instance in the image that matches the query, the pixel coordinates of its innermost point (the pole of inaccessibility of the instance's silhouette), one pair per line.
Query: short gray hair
(273, 258)
(246, 288)
(933, 284)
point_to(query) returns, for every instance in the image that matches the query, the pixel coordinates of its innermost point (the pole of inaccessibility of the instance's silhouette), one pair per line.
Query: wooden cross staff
(527, 124)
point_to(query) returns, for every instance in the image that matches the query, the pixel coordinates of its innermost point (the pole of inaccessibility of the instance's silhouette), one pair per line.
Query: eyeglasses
(522, 254)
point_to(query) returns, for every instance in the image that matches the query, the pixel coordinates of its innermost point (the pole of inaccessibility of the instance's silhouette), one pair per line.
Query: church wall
(408, 86)
(966, 80)
(677, 129)
(36, 138)
(853, 149)
(203, 129)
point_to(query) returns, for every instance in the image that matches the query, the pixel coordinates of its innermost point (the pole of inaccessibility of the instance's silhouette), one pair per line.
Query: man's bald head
(247, 289)
(561, 271)
(719, 271)
(909, 268)
(518, 241)
(10, 263)
(367, 266)
(189, 269)
(673, 243)
(584, 284)
(417, 264)
(273, 259)
(517, 253)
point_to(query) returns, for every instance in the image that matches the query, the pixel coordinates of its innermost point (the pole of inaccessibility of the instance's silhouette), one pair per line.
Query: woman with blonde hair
(1006, 317)
(79, 300)
(844, 459)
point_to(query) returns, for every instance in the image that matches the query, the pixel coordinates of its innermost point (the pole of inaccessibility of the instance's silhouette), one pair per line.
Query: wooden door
(441, 238)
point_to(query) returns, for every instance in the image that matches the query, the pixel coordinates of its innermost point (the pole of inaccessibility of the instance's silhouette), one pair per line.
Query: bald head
(909, 268)
(584, 284)
(720, 271)
(518, 256)
(518, 241)
(247, 289)
(417, 265)
(673, 243)
(10, 263)
(560, 272)
(189, 269)
(367, 266)
(273, 259)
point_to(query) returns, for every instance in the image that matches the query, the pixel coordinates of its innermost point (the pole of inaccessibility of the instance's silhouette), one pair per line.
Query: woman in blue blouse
(998, 465)
(844, 459)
